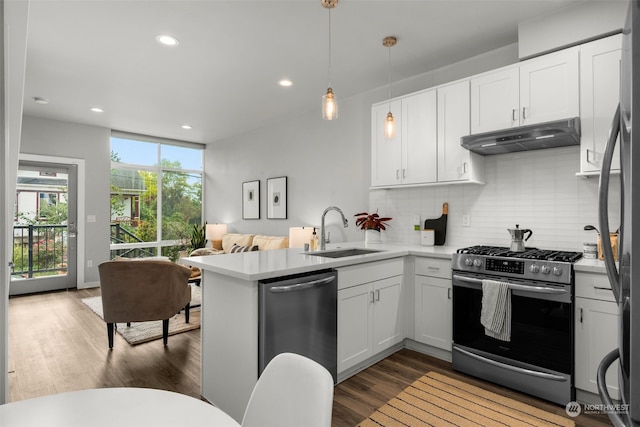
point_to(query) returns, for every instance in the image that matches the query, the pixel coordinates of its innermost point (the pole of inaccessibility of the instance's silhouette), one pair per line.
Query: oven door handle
(514, 286)
(517, 369)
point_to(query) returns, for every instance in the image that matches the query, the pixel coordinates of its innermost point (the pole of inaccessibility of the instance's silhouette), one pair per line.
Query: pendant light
(329, 102)
(389, 122)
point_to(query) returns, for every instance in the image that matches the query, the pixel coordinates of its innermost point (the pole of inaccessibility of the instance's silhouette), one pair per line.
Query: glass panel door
(44, 231)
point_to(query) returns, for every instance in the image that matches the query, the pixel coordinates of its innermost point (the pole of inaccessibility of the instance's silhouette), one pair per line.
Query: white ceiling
(222, 78)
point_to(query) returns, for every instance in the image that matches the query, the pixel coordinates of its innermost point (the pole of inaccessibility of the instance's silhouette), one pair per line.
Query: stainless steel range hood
(531, 137)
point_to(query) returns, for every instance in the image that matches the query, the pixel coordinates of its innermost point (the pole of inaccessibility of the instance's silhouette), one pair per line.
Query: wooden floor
(57, 344)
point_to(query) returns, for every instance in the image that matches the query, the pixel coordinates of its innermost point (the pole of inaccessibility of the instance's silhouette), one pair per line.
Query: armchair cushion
(143, 290)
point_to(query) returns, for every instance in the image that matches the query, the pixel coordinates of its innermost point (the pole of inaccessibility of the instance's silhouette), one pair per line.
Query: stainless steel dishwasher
(299, 314)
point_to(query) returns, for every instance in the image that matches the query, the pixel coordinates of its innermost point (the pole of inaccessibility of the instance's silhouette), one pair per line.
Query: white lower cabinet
(433, 304)
(596, 326)
(369, 314)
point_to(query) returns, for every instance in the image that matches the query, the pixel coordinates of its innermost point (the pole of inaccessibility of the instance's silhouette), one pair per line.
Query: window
(156, 195)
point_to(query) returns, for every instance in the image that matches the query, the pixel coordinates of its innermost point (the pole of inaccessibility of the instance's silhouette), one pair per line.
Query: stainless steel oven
(538, 357)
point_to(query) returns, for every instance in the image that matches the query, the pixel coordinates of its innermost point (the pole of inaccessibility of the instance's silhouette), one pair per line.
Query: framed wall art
(251, 200)
(277, 198)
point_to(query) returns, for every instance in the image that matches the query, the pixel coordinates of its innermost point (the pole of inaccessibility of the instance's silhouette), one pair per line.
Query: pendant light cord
(389, 48)
(329, 47)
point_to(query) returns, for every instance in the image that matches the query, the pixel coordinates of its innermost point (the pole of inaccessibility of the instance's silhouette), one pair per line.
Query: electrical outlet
(89, 263)
(91, 218)
(466, 220)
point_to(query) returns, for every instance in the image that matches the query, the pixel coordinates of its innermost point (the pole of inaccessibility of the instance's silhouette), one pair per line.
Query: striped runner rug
(437, 400)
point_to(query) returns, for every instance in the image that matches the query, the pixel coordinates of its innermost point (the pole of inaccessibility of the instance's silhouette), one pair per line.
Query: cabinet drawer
(434, 267)
(594, 286)
(369, 272)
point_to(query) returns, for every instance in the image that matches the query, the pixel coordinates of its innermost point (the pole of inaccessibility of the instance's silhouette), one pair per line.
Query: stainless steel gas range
(537, 357)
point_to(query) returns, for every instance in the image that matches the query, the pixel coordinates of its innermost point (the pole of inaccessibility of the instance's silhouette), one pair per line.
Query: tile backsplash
(538, 190)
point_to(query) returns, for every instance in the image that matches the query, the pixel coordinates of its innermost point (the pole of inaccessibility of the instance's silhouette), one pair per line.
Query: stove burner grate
(529, 253)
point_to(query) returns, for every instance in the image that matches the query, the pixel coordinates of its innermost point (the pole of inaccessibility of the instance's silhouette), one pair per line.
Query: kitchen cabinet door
(599, 97)
(419, 138)
(386, 153)
(495, 100)
(355, 310)
(455, 163)
(596, 323)
(387, 313)
(433, 311)
(549, 87)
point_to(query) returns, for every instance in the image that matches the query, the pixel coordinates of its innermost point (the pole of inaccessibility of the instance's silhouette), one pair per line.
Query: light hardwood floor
(57, 344)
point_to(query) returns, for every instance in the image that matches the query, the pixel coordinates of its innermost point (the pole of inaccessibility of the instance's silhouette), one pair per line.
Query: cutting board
(439, 225)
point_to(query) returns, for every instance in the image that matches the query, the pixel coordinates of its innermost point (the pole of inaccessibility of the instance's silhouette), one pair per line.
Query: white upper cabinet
(599, 96)
(535, 91)
(386, 153)
(495, 100)
(409, 157)
(419, 134)
(455, 163)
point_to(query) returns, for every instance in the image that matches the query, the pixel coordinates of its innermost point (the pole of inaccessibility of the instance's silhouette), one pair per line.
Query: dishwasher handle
(302, 286)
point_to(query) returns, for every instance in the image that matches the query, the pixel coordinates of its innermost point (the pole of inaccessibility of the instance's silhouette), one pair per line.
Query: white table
(114, 407)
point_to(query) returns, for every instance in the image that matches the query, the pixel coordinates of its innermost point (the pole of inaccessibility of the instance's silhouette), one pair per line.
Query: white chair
(293, 391)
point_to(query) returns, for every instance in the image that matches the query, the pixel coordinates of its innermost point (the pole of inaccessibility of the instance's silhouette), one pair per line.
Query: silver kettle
(518, 239)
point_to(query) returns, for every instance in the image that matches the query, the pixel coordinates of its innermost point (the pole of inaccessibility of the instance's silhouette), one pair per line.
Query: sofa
(236, 242)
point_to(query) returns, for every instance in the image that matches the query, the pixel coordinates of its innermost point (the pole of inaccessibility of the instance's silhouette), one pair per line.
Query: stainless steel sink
(341, 253)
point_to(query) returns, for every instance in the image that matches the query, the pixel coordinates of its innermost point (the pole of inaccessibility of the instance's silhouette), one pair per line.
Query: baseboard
(407, 343)
(87, 285)
(427, 349)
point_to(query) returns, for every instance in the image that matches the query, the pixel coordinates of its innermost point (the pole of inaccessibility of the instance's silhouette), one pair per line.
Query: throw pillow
(235, 248)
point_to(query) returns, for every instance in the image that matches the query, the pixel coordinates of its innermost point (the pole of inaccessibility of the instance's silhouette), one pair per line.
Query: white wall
(92, 144)
(14, 16)
(577, 23)
(536, 189)
(327, 163)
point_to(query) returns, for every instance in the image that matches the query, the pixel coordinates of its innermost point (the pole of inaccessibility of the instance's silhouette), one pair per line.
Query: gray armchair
(142, 291)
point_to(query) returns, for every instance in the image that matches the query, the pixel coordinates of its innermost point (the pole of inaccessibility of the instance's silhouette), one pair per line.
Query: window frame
(159, 170)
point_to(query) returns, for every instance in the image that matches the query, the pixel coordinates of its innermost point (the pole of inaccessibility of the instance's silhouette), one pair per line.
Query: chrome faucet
(323, 242)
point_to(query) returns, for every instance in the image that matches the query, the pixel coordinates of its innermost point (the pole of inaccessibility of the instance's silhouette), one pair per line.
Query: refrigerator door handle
(603, 207)
(605, 363)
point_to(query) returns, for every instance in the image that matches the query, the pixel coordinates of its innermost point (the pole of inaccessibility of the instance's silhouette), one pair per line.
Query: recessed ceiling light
(167, 40)
(285, 83)
(40, 101)
(97, 110)
(187, 127)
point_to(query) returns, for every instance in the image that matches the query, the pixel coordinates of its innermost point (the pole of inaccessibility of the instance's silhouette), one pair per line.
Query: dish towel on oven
(495, 315)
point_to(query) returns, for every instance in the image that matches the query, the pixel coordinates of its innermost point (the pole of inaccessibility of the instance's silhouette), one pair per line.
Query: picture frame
(277, 198)
(251, 200)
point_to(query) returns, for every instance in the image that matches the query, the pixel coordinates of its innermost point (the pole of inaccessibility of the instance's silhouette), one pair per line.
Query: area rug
(437, 400)
(141, 332)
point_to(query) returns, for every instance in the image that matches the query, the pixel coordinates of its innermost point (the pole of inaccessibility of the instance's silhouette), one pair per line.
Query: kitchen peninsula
(230, 317)
(419, 276)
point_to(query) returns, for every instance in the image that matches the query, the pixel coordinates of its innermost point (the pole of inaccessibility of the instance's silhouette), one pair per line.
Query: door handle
(302, 286)
(514, 115)
(373, 297)
(524, 112)
(378, 295)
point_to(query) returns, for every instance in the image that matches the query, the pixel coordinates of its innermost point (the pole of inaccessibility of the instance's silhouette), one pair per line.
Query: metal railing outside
(39, 250)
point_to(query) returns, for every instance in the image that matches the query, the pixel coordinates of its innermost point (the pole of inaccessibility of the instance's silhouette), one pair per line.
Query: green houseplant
(198, 237)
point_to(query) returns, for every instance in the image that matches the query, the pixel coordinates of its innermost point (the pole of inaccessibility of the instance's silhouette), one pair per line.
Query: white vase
(372, 236)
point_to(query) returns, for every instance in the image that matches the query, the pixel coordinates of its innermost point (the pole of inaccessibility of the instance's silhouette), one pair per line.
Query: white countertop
(590, 265)
(283, 262)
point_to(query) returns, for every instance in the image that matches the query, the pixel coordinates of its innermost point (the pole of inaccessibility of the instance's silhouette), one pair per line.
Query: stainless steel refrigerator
(625, 286)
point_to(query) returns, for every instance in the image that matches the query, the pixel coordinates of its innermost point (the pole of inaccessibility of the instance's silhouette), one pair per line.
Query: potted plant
(198, 237)
(371, 224)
